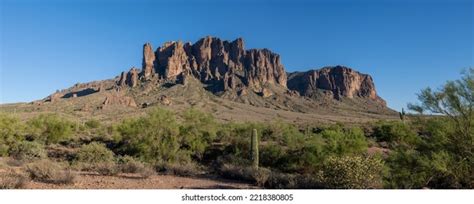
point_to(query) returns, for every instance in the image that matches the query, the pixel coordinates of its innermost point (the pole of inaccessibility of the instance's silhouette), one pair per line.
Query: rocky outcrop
(148, 61)
(116, 99)
(172, 60)
(212, 60)
(264, 66)
(342, 82)
(129, 78)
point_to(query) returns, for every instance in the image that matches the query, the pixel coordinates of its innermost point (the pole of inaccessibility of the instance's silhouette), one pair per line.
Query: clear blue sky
(405, 45)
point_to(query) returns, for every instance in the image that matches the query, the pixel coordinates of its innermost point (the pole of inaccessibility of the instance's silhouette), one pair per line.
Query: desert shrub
(129, 164)
(179, 169)
(92, 123)
(283, 133)
(197, 131)
(272, 155)
(47, 171)
(4, 150)
(408, 169)
(12, 180)
(245, 173)
(351, 172)
(11, 132)
(344, 142)
(278, 180)
(28, 151)
(146, 172)
(50, 128)
(436, 162)
(152, 138)
(395, 133)
(94, 153)
(106, 168)
(96, 157)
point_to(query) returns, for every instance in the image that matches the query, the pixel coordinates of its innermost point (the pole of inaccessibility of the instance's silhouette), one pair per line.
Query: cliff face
(212, 60)
(340, 81)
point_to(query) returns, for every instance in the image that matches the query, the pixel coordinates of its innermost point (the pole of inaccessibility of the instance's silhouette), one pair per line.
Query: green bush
(197, 131)
(153, 137)
(50, 128)
(436, 161)
(92, 123)
(94, 153)
(395, 133)
(344, 142)
(352, 172)
(11, 132)
(28, 151)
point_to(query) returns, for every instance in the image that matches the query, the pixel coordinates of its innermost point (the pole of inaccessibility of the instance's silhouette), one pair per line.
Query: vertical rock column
(148, 61)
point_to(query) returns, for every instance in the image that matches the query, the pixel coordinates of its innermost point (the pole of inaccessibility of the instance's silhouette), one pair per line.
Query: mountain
(224, 78)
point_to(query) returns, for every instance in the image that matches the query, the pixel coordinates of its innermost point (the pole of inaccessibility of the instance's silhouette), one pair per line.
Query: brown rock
(341, 81)
(54, 97)
(148, 68)
(266, 93)
(129, 78)
(172, 60)
(263, 66)
(116, 99)
(242, 92)
(211, 60)
(165, 100)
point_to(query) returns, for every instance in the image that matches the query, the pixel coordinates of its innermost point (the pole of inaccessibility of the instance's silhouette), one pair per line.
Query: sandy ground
(130, 181)
(86, 180)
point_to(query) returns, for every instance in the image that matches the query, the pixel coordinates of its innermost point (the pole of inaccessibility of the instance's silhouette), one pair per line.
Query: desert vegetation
(417, 151)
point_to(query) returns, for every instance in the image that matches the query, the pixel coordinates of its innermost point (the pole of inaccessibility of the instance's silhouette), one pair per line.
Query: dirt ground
(129, 181)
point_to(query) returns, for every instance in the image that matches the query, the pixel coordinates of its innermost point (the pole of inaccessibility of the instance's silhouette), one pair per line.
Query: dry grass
(47, 171)
(128, 164)
(107, 168)
(13, 180)
(185, 169)
(259, 176)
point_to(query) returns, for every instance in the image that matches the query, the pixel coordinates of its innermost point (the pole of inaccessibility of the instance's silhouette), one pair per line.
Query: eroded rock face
(148, 61)
(264, 66)
(116, 99)
(341, 81)
(172, 60)
(129, 78)
(212, 60)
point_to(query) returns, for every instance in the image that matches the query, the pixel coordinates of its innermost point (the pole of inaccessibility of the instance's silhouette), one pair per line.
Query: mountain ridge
(218, 75)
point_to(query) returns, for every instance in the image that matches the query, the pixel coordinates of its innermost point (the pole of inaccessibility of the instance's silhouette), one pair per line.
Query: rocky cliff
(339, 81)
(226, 65)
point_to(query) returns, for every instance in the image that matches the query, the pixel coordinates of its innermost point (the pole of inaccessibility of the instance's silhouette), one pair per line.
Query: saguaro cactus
(254, 149)
(402, 115)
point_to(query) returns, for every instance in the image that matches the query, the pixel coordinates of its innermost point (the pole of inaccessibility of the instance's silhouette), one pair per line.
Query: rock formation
(129, 78)
(342, 82)
(116, 99)
(148, 61)
(212, 60)
(256, 77)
